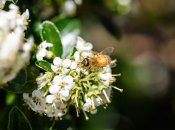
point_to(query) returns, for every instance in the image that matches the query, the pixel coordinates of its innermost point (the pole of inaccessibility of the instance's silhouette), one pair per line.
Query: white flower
(57, 61)
(43, 51)
(83, 46)
(55, 110)
(60, 90)
(88, 106)
(37, 102)
(62, 66)
(66, 63)
(70, 8)
(14, 52)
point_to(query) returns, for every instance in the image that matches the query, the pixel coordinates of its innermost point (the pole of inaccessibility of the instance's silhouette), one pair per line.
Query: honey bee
(100, 59)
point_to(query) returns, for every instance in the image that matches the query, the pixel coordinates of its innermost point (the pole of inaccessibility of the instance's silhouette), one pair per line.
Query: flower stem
(53, 123)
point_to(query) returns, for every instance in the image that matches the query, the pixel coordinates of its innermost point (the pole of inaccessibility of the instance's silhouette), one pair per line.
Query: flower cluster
(70, 83)
(14, 49)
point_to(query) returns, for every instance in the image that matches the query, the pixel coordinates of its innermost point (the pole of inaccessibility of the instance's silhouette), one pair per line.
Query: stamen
(76, 98)
(107, 98)
(86, 117)
(93, 105)
(121, 90)
(77, 112)
(117, 75)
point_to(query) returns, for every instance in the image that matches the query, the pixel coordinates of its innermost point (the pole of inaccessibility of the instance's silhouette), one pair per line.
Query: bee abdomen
(103, 60)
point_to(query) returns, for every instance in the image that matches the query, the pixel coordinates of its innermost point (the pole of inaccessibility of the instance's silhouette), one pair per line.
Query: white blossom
(43, 51)
(72, 84)
(14, 50)
(61, 65)
(82, 45)
(69, 8)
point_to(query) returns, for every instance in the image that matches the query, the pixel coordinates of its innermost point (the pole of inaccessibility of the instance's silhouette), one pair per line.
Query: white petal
(26, 14)
(13, 7)
(41, 53)
(45, 44)
(88, 46)
(36, 93)
(57, 61)
(80, 43)
(106, 82)
(77, 56)
(54, 89)
(86, 107)
(70, 86)
(65, 94)
(70, 7)
(25, 96)
(93, 111)
(50, 98)
(57, 80)
(59, 113)
(107, 69)
(65, 71)
(83, 46)
(73, 65)
(88, 101)
(66, 63)
(97, 101)
(54, 68)
(68, 79)
(105, 76)
(86, 54)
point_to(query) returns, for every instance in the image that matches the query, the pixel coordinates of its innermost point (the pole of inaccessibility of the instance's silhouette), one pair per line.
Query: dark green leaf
(17, 120)
(25, 82)
(67, 25)
(44, 65)
(51, 34)
(70, 29)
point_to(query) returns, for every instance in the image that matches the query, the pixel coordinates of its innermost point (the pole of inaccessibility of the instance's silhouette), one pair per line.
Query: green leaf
(18, 120)
(44, 65)
(51, 34)
(25, 82)
(67, 25)
(70, 29)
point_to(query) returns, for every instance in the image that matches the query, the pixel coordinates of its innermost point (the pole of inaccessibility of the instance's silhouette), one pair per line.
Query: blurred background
(143, 35)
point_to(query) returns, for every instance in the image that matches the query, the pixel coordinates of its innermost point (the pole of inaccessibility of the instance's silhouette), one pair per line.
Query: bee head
(85, 62)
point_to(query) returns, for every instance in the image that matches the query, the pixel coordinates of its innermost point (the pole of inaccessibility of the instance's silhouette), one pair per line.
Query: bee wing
(107, 51)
